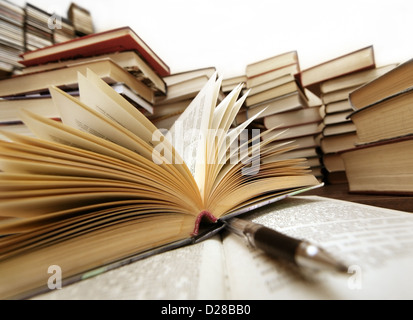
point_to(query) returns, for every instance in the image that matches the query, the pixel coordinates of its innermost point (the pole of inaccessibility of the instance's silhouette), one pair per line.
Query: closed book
(292, 69)
(67, 78)
(128, 60)
(359, 60)
(389, 118)
(384, 167)
(398, 79)
(339, 142)
(288, 102)
(293, 118)
(272, 63)
(355, 79)
(116, 40)
(272, 93)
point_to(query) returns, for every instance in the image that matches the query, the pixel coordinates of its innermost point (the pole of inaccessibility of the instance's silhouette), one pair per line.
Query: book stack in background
(338, 124)
(81, 19)
(64, 30)
(182, 89)
(333, 81)
(118, 56)
(11, 38)
(382, 160)
(38, 34)
(275, 93)
(272, 87)
(300, 127)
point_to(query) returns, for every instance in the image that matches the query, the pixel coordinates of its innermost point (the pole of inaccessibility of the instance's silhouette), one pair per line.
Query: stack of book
(39, 28)
(279, 103)
(337, 122)
(182, 89)
(81, 19)
(333, 81)
(382, 160)
(11, 37)
(272, 87)
(118, 56)
(298, 127)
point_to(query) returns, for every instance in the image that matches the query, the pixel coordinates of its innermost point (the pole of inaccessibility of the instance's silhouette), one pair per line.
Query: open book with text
(375, 243)
(105, 184)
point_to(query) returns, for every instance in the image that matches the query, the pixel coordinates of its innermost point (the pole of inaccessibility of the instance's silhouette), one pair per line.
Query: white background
(230, 34)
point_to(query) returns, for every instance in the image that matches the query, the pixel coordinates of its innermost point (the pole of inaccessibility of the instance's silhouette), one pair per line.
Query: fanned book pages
(106, 185)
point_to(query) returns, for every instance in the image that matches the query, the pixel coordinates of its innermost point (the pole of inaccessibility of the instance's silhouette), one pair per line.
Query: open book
(376, 244)
(106, 184)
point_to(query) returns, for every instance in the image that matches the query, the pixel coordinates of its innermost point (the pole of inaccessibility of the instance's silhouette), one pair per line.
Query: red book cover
(116, 40)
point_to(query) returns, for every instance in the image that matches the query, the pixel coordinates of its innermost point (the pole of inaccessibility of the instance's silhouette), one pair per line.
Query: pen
(301, 253)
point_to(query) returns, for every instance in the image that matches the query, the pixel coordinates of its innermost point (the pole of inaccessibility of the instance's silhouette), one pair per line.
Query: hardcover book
(116, 40)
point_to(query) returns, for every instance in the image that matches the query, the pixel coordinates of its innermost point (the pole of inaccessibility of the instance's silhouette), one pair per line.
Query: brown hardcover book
(292, 69)
(354, 79)
(272, 63)
(67, 78)
(339, 142)
(288, 102)
(116, 40)
(129, 60)
(272, 93)
(389, 118)
(293, 118)
(394, 81)
(383, 167)
(359, 60)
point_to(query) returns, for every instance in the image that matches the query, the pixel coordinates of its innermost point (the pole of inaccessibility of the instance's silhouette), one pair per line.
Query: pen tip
(316, 258)
(341, 268)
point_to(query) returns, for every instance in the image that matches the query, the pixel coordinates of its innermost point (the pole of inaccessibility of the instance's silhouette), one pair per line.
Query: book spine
(203, 214)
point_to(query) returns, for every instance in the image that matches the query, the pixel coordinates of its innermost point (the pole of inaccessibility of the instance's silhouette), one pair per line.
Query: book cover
(116, 40)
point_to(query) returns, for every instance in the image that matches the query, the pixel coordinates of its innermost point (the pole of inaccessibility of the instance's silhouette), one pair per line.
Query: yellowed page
(100, 97)
(79, 116)
(90, 250)
(190, 130)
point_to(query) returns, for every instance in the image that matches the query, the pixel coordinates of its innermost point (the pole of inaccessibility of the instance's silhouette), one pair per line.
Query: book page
(189, 133)
(99, 96)
(188, 273)
(376, 243)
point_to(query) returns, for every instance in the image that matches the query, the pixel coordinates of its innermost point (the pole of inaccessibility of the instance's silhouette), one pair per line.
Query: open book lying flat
(376, 243)
(106, 185)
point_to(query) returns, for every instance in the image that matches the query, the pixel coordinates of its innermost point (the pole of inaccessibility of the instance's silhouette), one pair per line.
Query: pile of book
(30, 28)
(38, 28)
(118, 56)
(333, 81)
(81, 19)
(382, 160)
(11, 37)
(280, 103)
